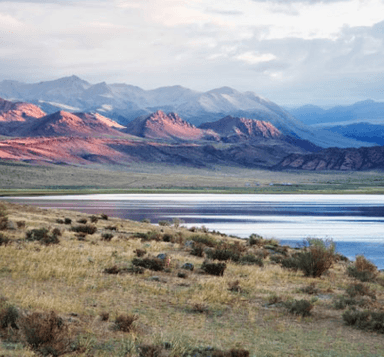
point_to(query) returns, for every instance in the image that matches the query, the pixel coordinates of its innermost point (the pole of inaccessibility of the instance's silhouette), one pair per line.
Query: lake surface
(354, 222)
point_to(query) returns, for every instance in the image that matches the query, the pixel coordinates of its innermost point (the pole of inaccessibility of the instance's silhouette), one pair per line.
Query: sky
(292, 52)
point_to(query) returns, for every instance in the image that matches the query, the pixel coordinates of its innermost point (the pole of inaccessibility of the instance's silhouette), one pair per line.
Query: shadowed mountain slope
(337, 159)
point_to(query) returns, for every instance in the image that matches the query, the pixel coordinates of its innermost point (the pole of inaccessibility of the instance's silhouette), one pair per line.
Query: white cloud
(255, 58)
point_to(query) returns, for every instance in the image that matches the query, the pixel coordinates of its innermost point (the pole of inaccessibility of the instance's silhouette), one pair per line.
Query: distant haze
(293, 52)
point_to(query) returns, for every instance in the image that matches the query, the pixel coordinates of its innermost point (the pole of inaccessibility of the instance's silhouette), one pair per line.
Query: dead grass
(69, 278)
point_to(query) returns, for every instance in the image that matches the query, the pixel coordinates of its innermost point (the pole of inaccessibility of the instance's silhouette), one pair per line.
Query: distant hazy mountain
(361, 111)
(124, 103)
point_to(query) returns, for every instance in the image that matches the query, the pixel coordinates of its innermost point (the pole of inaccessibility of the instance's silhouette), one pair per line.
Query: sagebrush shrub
(46, 333)
(20, 224)
(150, 263)
(365, 320)
(316, 257)
(43, 236)
(362, 269)
(140, 252)
(88, 229)
(223, 254)
(4, 240)
(360, 290)
(299, 307)
(8, 315)
(67, 221)
(205, 240)
(3, 218)
(165, 223)
(197, 250)
(150, 350)
(82, 220)
(104, 217)
(214, 268)
(94, 219)
(251, 259)
(125, 322)
(107, 236)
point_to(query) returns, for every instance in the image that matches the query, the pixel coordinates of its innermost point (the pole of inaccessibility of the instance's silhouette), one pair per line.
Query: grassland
(23, 179)
(180, 313)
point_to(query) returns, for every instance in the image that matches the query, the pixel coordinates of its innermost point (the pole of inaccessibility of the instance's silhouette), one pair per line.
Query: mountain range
(124, 103)
(86, 138)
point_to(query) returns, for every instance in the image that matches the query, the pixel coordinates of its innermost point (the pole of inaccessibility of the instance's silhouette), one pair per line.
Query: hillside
(124, 287)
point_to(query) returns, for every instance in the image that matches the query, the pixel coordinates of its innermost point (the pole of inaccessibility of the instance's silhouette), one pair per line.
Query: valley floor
(17, 178)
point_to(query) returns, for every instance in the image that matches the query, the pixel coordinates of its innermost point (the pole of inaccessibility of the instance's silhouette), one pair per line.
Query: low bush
(104, 316)
(140, 252)
(46, 333)
(310, 289)
(182, 274)
(94, 219)
(8, 314)
(290, 263)
(60, 221)
(20, 224)
(165, 223)
(43, 236)
(255, 239)
(299, 307)
(360, 290)
(365, 320)
(67, 221)
(277, 258)
(82, 221)
(145, 220)
(56, 232)
(315, 258)
(151, 235)
(223, 254)
(3, 217)
(251, 259)
(214, 268)
(341, 302)
(125, 322)
(362, 269)
(200, 308)
(150, 263)
(111, 228)
(197, 250)
(104, 217)
(4, 240)
(150, 350)
(205, 240)
(235, 286)
(107, 236)
(87, 229)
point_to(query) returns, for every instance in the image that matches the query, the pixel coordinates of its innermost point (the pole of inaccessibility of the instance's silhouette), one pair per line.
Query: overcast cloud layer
(292, 52)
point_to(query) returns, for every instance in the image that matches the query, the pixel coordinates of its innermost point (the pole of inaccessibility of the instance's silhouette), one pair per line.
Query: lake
(354, 222)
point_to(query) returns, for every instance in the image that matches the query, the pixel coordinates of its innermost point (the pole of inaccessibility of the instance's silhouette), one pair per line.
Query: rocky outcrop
(337, 159)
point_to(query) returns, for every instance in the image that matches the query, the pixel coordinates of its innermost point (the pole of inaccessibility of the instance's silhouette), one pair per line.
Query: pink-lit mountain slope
(159, 125)
(239, 129)
(18, 112)
(72, 124)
